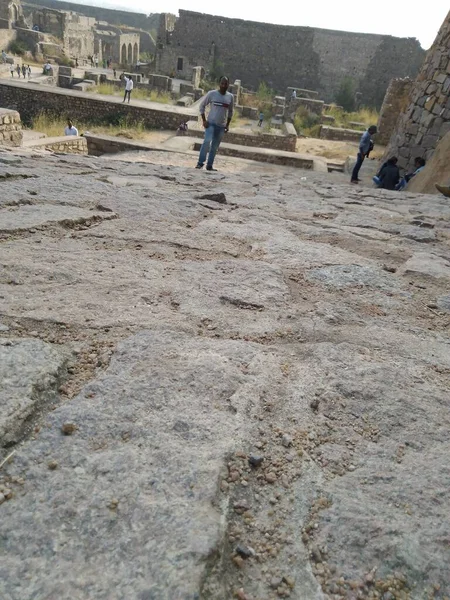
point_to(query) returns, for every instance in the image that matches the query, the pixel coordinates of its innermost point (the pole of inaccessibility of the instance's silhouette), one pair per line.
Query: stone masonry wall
(31, 100)
(282, 56)
(338, 134)
(6, 37)
(427, 117)
(395, 103)
(10, 128)
(286, 142)
(70, 144)
(115, 17)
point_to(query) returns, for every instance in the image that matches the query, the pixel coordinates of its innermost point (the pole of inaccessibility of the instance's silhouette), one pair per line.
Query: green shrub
(305, 120)
(345, 96)
(264, 93)
(18, 47)
(64, 61)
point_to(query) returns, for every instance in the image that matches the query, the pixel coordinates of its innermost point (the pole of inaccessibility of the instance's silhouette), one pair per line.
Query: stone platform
(220, 385)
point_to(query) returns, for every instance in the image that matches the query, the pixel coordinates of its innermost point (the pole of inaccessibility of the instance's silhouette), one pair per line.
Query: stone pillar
(427, 117)
(10, 128)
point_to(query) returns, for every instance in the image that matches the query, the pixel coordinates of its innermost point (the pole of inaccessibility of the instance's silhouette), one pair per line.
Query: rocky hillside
(219, 386)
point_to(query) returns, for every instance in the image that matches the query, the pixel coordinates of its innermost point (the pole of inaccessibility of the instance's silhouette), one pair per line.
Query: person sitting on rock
(389, 175)
(182, 129)
(70, 129)
(419, 164)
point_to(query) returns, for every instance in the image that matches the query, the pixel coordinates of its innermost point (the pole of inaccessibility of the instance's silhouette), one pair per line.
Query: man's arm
(203, 104)
(230, 114)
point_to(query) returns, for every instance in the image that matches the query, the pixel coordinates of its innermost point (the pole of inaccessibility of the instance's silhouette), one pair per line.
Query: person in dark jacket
(389, 174)
(365, 146)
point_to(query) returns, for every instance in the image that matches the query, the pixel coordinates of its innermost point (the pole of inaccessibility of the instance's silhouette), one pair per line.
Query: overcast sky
(401, 18)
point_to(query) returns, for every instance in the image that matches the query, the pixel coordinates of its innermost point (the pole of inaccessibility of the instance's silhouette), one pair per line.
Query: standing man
(365, 145)
(128, 87)
(218, 121)
(70, 129)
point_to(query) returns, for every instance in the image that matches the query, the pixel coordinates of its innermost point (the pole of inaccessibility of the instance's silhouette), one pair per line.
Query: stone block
(439, 77)
(436, 128)
(429, 141)
(413, 128)
(445, 128)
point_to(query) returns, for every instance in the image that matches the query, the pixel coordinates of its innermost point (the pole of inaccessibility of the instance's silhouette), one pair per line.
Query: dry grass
(54, 127)
(368, 116)
(137, 94)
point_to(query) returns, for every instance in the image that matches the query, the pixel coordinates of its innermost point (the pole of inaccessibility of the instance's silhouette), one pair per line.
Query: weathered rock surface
(30, 372)
(302, 322)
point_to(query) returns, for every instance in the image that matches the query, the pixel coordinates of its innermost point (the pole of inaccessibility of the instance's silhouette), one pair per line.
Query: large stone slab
(353, 275)
(426, 265)
(129, 512)
(30, 372)
(28, 216)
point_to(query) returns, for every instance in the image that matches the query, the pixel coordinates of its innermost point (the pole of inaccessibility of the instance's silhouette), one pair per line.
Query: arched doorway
(135, 53)
(130, 54)
(14, 13)
(123, 57)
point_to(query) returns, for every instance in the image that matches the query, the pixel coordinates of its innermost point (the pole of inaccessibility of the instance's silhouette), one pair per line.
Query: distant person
(29, 72)
(364, 148)
(183, 128)
(261, 119)
(4, 56)
(389, 175)
(104, 63)
(128, 88)
(24, 71)
(11, 70)
(114, 73)
(419, 165)
(294, 95)
(76, 63)
(218, 122)
(96, 62)
(18, 71)
(70, 129)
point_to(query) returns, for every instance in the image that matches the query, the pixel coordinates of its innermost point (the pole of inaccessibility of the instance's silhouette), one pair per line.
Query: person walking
(364, 148)
(24, 71)
(128, 88)
(18, 70)
(261, 119)
(11, 70)
(218, 122)
(29, 72)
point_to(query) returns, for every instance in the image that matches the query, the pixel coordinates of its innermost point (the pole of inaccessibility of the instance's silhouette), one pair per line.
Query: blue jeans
(211, 143)
(359, 162)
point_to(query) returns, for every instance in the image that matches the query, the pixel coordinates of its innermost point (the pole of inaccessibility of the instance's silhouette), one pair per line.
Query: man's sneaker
(198, 166)
(354, 181)
(443, 189)
(210, 169)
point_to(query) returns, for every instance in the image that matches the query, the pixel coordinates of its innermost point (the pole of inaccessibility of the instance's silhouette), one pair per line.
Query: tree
(345, 96)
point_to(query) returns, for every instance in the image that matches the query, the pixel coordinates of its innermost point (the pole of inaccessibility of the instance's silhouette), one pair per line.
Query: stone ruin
(311, 58)
(426, 118)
